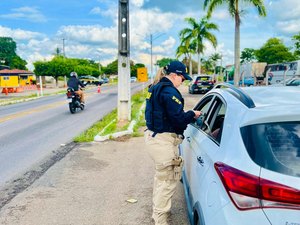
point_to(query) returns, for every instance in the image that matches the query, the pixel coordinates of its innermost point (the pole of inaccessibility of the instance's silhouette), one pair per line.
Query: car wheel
(192, 91)
(197, 220)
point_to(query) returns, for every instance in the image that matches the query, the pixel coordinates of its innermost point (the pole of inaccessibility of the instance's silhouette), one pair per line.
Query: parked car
(248, 81)
(133, 79)
(91, 80)
(242, 157)
(105, 80)
(201, 84)
(295, 81)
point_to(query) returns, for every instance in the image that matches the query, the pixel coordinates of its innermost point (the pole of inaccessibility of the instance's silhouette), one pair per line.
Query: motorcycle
(74, 101)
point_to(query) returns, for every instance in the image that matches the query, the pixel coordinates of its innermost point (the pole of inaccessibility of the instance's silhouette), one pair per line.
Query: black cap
(179, 68)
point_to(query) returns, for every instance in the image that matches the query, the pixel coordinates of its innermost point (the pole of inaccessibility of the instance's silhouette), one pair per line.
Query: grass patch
(110, 123)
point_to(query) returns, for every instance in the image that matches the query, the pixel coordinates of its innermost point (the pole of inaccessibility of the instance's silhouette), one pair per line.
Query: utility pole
(221, 69)
(65, 77)
(124, 92)
(151, 55)
(64, 47)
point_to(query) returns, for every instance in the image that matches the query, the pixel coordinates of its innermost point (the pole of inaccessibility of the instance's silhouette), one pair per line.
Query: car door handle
(200, 160)
(188, 139)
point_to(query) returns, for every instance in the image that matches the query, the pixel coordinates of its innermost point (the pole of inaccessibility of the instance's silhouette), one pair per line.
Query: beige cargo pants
(163, 149)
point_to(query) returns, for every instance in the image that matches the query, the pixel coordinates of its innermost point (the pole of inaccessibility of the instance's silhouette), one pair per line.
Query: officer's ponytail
(160, 74)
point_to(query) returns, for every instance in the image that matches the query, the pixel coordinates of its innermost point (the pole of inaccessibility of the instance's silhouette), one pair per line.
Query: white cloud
(19, 34)
(221, 14)
(289, 27)
(137, 3)
(96, 11)
(93, 34)
(286, 9)
(26, 13)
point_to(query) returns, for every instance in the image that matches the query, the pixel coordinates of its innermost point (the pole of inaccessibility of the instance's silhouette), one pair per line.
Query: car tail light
(69, 94)
(249, 192)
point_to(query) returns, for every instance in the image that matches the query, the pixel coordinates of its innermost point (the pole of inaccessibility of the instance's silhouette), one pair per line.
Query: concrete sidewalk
(91, 186)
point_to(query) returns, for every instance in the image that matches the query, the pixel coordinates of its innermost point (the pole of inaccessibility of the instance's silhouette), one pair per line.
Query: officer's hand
(197, 114)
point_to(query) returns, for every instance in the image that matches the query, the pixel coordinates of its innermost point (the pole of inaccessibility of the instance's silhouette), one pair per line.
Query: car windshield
(274, 146)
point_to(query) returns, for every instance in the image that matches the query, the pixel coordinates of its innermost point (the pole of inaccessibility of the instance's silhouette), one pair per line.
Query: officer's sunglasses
(182, 77)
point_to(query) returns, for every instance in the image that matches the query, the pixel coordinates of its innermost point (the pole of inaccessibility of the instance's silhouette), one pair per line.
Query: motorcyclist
(75, 83)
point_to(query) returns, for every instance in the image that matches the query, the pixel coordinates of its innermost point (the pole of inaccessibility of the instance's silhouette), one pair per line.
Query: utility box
(142, 74)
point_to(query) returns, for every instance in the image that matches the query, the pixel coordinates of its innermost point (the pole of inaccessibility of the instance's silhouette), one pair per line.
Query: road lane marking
(36, 110)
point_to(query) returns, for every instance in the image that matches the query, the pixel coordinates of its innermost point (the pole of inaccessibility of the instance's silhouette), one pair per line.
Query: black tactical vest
(155, 113)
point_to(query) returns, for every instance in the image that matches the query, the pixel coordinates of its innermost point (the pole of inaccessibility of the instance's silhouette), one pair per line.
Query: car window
(203, 106)
(203, 78)
(274, 146)
(217, 121)
(211, 121)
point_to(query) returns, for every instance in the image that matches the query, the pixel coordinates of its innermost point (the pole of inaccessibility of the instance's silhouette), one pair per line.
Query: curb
(99, 138)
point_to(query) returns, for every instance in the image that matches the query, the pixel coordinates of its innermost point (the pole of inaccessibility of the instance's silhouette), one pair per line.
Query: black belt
(155, 133)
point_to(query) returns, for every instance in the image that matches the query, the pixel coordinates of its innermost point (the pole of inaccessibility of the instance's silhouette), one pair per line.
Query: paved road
(33, 132)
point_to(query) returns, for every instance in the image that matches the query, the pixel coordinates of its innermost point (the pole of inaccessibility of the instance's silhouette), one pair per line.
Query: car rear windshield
(274, 146)
(203, 78)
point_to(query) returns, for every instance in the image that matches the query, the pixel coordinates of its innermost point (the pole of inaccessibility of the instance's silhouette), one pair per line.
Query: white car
(242, 157)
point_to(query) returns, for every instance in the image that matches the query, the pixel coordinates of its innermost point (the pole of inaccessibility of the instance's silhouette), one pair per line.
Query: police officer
(166, 122)
(75, 83)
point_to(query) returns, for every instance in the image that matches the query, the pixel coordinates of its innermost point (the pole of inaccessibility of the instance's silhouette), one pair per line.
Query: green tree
(8, 54)
(187, 49)
(197, 33)
(248, 55)
(61, 66)
(235, 12)
(274, 51)
(18, 63)
(164, 61)
(214, 58)
(207, 66)
(111, 68)
(296, 39)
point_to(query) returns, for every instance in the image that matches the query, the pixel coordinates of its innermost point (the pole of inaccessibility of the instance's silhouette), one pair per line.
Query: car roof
(261, 96)
(202, 75)
(262, 104)
(273, 96)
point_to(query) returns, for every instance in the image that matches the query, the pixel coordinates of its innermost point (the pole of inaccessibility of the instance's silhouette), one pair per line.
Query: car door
(191, 135)
(201, 142)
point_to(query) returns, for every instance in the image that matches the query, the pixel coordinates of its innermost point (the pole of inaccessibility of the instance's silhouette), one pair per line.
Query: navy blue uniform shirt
(164, 109)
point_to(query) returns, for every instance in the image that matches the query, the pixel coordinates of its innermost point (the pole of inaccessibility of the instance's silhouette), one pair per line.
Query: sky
(89, 29)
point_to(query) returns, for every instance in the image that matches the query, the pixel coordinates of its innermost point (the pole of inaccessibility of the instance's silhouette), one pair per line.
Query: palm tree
(197, 34)
(214, 58)
(187, 49)
(233, 7)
